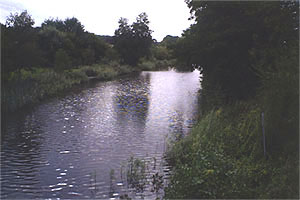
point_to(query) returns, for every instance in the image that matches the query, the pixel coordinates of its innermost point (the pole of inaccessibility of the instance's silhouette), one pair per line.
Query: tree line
(43, 61)
(64, 44)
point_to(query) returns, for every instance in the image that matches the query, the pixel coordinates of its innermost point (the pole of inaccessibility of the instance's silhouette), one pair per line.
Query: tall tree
(20, 48)
(133, 41)
(20, 21)
(82, 47)
(224, 38)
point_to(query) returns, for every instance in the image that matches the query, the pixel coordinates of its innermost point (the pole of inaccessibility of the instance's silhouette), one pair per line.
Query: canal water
(106, 141)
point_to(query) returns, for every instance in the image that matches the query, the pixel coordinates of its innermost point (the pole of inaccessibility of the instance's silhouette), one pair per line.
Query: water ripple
(69, 146)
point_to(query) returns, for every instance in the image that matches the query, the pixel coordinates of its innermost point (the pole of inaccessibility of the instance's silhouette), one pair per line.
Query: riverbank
(26, 87)
(29, 86)
(223, 157)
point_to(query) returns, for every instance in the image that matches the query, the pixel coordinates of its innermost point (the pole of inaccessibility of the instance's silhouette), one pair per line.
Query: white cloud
(101, 16)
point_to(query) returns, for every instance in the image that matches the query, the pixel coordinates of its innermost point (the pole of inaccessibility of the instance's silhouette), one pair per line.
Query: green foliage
(27, 47)
(154, 64)
(82, 47)
(62, 60)
(22, 21)
(279, 99)
(71, 25)
(28, 86)
(169, 41)
(111, 55)
(147, 65)
(133, 42)
(136, 176)
(19, 47)
(243, 53)
(228, 41)
(161, 52)
(223, 158)
(64, 44)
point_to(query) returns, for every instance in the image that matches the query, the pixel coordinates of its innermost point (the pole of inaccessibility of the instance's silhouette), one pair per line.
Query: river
(87, 144)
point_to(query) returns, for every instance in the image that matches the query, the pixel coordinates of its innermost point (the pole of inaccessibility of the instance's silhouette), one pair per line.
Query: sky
(167, 17)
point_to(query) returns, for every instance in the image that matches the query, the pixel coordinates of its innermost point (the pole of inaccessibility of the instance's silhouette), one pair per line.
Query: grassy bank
(223, 157)
(24, 87)
(29, 86)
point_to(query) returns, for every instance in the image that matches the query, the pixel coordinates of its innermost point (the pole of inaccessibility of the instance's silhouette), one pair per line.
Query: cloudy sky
(167, 17)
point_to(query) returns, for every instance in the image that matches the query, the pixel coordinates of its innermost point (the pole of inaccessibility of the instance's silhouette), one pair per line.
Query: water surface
(67, 147)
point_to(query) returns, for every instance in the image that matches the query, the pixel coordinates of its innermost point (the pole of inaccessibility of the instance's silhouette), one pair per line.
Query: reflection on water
(131, 103)
(68, 147)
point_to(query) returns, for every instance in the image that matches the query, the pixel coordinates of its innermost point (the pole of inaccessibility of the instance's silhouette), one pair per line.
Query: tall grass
(28, 86)
(223, 158)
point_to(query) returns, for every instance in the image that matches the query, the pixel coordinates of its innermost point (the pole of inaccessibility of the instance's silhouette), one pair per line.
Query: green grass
(30, 86)
(223, 157)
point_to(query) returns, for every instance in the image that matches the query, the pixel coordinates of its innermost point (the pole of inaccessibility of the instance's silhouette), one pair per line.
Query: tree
(72, 25)
(142, 35)
(82, 47)
(97, 45)
(57, 43)
(224, 38)
(23, 21)
(50, 40)
(248, 50)
(20, 48)
(133, 41)
(161, 52)
(62, 60)
(169, 41)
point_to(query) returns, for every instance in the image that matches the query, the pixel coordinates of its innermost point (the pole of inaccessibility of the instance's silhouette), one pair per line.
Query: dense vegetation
(246, 143)
(247, 53)
(39, 62)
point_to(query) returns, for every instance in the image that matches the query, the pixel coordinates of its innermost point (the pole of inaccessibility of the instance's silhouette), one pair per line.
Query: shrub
(146, 65)
(279, 98)
(223, 157)
(62, 60)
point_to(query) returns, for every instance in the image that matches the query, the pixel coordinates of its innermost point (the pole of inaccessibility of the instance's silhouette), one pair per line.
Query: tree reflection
(131, 101)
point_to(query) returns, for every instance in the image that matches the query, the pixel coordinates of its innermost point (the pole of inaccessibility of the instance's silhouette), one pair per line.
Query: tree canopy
(24, 20)
(133, 41)
(59, 44)
(229, 39)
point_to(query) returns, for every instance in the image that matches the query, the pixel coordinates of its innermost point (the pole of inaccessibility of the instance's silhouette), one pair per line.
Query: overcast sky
(167, 17)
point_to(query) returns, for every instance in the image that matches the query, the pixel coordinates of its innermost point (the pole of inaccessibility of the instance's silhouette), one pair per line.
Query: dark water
(79, 146)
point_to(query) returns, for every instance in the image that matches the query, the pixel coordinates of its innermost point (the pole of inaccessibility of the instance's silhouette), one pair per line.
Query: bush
(154, 64)
(223, 158)
(146, 65)
(62, 60)
(279, 97)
